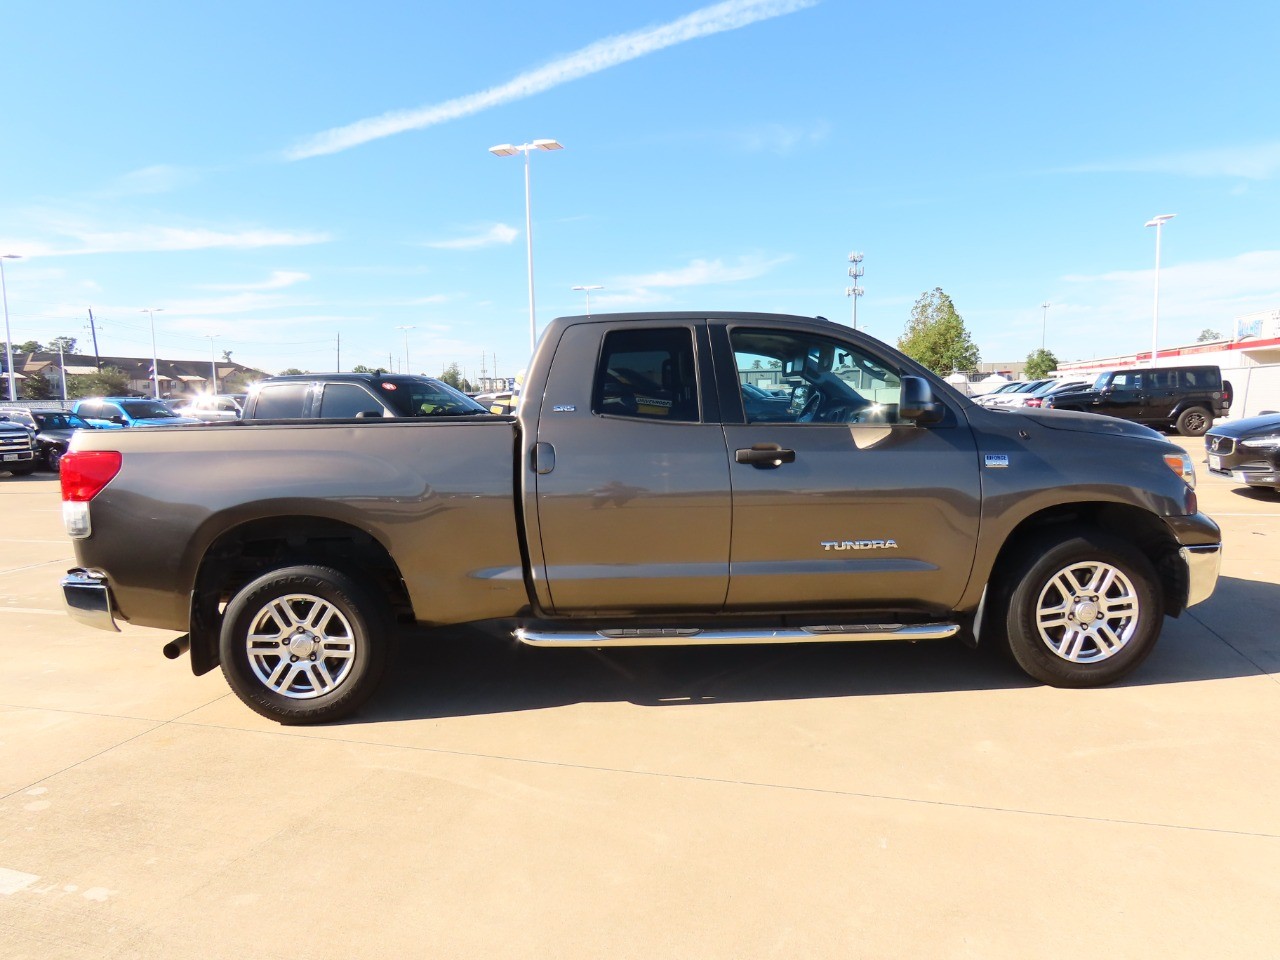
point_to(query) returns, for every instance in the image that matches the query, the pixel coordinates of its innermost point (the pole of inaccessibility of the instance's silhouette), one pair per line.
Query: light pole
(587, 291)
(855, 272)
(510, 150)
(406, 347)
(1044, 322)
(8, 338)
(155, 359)
(213, 364)
(1158, 223)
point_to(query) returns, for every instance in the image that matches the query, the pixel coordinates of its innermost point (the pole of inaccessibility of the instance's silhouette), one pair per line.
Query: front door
(859, 509)
(631, 473)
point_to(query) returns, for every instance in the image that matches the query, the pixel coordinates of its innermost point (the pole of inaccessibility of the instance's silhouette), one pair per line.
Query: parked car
(1037, 397)
(115, 412)
(1187, 399)
(53, 430)
(635, 501)
(17, 448)
(998, 398)
(1246, 450)
(212, 407)
(355, 396)
(765, 406)
(501, 402)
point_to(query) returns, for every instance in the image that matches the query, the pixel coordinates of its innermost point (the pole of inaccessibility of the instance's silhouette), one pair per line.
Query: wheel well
(1134, 525)
(243, 553)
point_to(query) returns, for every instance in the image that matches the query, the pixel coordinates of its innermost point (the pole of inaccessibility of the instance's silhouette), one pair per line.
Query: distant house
(176, 377)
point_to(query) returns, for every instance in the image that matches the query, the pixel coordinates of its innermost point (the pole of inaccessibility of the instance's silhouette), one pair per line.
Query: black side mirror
(917, 403)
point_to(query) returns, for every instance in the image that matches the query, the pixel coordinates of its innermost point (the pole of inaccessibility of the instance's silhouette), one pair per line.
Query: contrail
(598, 56)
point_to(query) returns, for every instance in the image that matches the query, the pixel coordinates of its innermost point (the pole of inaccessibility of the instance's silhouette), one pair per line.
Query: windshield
(1101, 381)
(427, 397)
(59, 421)
(146, 409)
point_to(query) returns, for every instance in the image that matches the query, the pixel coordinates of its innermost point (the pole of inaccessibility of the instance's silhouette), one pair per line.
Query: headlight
(1268, 442)
(1180, 463)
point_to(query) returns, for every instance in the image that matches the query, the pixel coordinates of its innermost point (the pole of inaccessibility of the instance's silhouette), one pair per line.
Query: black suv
(17, 449)
(351, 396)
(1187, 399)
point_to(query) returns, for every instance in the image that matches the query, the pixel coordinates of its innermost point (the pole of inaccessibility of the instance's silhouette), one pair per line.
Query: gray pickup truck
(708, 478)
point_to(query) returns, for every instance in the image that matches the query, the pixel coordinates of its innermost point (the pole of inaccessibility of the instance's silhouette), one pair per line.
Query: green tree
(452, 376)
(37, 387)
(1040, 363)
(361, 368)
(291, 371)
(936, 336)
(1206, 335)
(107, 382)
(30, 346)
(68, 344)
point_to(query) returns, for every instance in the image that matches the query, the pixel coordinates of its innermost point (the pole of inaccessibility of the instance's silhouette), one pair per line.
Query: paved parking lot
(844, 801)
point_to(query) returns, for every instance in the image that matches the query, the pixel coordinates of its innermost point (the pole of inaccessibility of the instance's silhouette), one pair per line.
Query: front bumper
(87, 599)
(1203, 563)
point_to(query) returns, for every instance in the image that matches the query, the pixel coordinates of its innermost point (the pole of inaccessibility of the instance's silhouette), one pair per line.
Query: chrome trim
(1203, 564)
(87, 599)
(682, 637)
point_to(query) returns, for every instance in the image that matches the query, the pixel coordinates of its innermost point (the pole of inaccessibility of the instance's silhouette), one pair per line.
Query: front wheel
(1085, 612)
(1193, 422)
(305, 644)
(53, 460)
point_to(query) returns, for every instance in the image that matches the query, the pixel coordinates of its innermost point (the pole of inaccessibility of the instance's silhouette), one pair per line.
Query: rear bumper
(87, 599)
(1203, 564)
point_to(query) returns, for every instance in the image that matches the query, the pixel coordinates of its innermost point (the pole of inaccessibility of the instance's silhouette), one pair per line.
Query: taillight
(1034, 402)
(85, 472)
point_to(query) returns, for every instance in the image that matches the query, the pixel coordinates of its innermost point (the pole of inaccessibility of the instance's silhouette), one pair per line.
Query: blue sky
(280, 175)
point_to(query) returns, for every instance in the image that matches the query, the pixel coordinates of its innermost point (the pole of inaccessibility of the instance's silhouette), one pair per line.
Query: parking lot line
(42, 610)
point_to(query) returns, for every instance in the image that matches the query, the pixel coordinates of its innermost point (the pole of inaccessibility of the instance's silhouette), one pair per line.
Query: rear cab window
(648, 374)
(281, 401)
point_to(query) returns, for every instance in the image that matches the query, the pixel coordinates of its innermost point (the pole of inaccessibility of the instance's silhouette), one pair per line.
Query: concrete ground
(844, 801)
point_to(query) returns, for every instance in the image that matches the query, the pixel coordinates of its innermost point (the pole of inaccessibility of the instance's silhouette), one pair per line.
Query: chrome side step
(689, 636)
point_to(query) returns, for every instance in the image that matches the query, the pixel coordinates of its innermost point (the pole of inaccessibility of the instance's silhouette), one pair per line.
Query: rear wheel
(53, 460)
(1193, 422)
(305, 644)
(1086, 610)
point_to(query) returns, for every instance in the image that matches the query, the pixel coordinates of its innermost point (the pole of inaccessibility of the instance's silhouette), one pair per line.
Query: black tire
(53, 460)
(23, 471)
(1103, 630)
(328, 612)
(1194, 422)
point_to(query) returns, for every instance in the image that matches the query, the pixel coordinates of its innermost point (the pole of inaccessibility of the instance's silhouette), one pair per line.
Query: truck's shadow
(465, 673)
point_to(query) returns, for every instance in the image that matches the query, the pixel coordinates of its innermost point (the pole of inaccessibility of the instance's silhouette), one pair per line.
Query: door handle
(765, 455)
(544, 458)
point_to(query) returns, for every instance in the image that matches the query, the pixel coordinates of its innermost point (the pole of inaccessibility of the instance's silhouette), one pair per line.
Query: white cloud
(154, 239)
(1257, 162)
(782, 139)
(702, 273)
(159, 178)
(498, 233)
(278, 280)
(601, 55)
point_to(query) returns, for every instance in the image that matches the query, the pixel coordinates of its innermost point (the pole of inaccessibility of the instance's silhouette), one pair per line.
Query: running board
(691, 637)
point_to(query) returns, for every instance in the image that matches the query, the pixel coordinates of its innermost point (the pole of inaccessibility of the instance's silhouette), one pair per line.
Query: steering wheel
(809, 412)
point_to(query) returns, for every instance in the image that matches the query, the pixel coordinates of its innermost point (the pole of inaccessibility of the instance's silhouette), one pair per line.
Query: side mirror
(369, 415)
(917, 403)
(117, 419)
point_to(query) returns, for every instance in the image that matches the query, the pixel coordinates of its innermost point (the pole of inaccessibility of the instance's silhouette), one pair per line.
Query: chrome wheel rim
(301, 646)
(1087, 612)
(1196, 421)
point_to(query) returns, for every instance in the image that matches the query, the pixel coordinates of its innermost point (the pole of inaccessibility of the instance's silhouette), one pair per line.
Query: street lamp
(1044, 322)
(1158, 223)
(155, 359)
(510, 150)
(587, 291)
(213, 364)
(8, 339)
(406, 347)
(855, 271)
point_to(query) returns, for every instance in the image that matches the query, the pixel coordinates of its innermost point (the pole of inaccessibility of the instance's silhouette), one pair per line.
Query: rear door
(632, 479)
(858, 509)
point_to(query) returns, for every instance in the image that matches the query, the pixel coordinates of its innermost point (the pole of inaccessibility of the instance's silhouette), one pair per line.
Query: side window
(109, 410)
(345, 401)
(648, 374)
(282, 401)
(91, 409)
(799, 378)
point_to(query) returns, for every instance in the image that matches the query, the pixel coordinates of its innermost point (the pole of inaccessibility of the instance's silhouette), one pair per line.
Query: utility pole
(1044, 322)
(855, 272)
(93, 330)
(338, 358)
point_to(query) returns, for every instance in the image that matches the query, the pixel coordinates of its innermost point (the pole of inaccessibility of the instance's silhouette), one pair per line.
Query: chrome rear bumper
(87, 599)
(1203, 564)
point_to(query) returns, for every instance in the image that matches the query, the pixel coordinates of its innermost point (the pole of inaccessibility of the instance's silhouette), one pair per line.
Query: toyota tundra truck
(667, 479)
